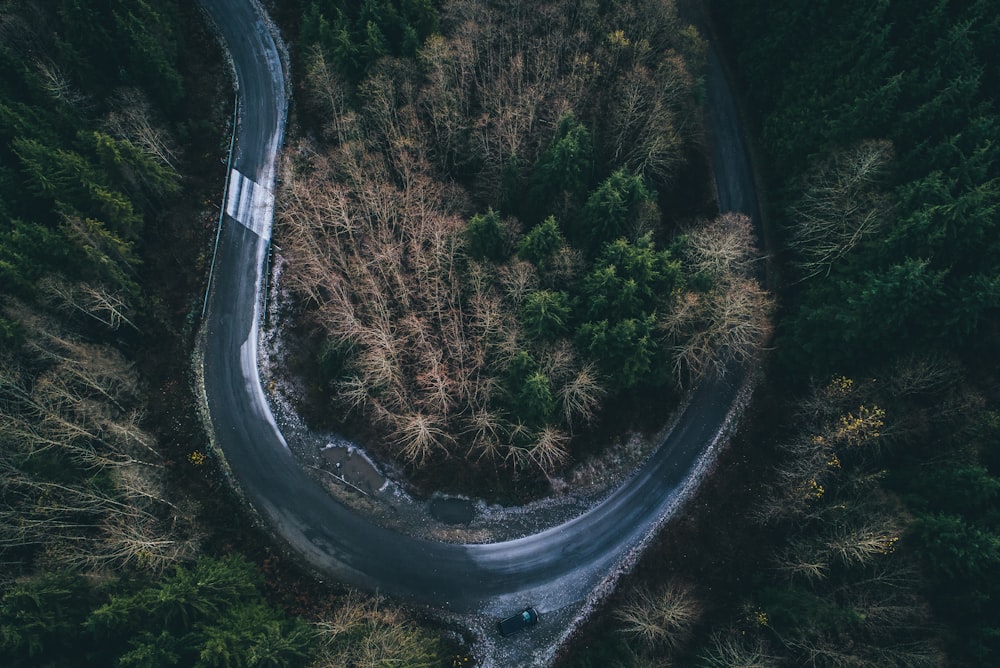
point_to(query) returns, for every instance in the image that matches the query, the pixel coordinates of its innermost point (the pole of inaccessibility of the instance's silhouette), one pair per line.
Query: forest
(112, 550)
(485, 227)
(559, 256)
(859, 526)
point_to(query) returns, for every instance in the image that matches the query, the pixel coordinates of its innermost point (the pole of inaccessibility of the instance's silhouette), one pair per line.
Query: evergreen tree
(485, 237)
(542, 243)
(612, 211)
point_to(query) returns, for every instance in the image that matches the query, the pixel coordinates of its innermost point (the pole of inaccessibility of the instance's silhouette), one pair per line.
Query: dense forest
(111, 124)
(859, 526)
(486, 228)
(555, 256)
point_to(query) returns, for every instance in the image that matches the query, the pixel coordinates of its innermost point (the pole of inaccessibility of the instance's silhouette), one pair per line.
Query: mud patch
(351, 467)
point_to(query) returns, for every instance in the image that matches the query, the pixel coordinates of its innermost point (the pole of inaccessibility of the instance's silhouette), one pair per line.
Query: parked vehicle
(519, 622)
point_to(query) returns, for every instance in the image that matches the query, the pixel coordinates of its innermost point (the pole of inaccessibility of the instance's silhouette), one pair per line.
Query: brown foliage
(663, 618)
(366, 633)
(372, 225)
(731, 320)
(75, 405)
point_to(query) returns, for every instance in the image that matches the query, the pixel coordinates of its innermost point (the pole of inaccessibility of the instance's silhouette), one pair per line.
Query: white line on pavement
(250, 204)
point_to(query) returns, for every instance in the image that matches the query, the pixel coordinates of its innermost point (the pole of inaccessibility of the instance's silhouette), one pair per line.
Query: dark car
(519, 622)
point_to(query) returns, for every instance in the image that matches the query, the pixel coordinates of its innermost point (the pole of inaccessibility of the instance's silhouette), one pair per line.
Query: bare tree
(449, 65)
(372, 227)
(802, 559)
(581, 396)
(549, 448)
(923, 375)
(661, 618)
(419, 436)
(722, 247)
(59, 86)
(730, 320)
(94, 301)
(734, 649)
(863, 542)
(131, 120)
(366, 633)
(842, 204)
(710, 331)
(79, 409)
(327, 93)
(485, 428)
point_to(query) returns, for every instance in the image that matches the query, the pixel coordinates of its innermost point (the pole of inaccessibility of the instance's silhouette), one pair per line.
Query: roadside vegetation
(854, 522)
(111, 128)
(490, 224)
(484, 224)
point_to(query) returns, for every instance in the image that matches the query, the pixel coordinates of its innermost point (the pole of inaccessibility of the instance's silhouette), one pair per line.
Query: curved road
(553, 569)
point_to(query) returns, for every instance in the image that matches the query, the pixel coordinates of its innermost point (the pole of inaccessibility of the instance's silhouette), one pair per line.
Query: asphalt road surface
(551, 570)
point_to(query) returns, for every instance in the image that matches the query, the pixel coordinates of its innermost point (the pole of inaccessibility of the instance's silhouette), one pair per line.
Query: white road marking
(250, 204)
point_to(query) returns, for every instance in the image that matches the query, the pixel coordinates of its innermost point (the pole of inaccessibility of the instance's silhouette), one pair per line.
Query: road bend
(553, 569)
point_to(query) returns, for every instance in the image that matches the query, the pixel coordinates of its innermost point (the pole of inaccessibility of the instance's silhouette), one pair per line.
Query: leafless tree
(712, 330)
(581, 396)
(419, 436)
(327, 94)
(59, 86)
(842, 203)
(79, 407)
(863, 542)
(367, 633)
(661, 618)
(923, 375)
(800, 561)
(731, 320)
(722, 247)
(93, 301)
(732, 648)
(372, 226)
(549, 448)
(131, 120)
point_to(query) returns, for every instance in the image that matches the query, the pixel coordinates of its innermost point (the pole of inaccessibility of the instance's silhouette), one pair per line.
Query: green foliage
(562, 173)
(41, 619)
(11, 336)
(534, 403)
(334, 359)
(953, 488)
(629, 280)
(209, 615)
(486, 238)
(76, 185)
(618, 302)
(135, 168)
(528, 390)
(356, 35)
(627, 350)
(613, 210)
(542, 243)
(27, 250)
(827, 75)
(956, 551)
(109, 43)
(73, 195)
(546, 315)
